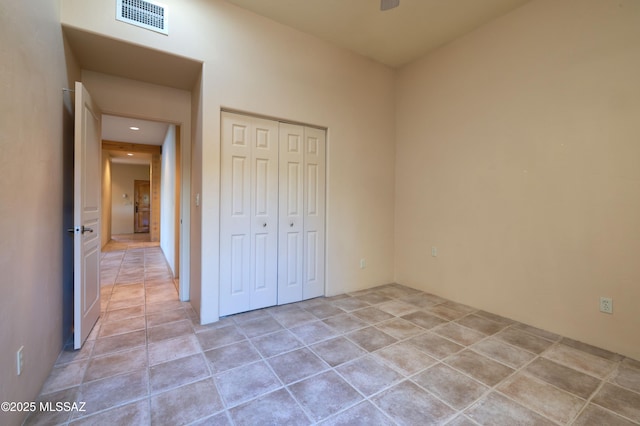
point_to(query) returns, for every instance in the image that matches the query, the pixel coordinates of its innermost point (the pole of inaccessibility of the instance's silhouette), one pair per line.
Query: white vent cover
(145, 14)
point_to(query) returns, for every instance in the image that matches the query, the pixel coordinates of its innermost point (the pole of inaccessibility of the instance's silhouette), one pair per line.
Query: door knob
(291, 224)
(85, 229)
(264, 225)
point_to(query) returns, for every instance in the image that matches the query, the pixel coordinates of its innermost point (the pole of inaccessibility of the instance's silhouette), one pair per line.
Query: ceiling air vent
(145, 14)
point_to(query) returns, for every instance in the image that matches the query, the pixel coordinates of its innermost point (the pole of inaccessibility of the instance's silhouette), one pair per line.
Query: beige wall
(518, 158)
(195, 213)
(168, 198)
(106, 199)
(515, 157)
(35, 203)
(122, 182)
(255, 65)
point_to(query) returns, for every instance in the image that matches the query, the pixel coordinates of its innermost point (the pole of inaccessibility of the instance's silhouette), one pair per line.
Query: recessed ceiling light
(134, 128)
(129, 154)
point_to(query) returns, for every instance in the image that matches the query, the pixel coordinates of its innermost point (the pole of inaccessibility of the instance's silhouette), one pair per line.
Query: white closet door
(248, 213)
(235, 214)
(291, 236)
(264, 209)
(314, 212)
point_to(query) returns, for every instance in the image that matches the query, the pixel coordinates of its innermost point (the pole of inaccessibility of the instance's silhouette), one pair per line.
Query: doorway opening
(151, 85)
(141, 182)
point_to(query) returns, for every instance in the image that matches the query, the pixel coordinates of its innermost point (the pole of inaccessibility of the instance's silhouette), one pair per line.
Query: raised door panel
(291, 221)
(235, 214)
(314, 212)
(264, 211)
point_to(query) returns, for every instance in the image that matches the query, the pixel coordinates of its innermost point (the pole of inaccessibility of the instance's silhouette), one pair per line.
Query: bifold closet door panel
(291, 233)
(235, 214)
(248, 213)
(264, 208)
(314, 213)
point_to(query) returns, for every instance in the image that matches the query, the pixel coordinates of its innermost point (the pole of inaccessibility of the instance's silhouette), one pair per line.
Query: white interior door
(302, 213)
(264, 211)
(248, 213)
(86, 217)
(291, 236)
(314, 212)
(235, 214)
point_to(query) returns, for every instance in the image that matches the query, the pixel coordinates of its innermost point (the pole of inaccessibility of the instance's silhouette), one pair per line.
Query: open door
(86, 216)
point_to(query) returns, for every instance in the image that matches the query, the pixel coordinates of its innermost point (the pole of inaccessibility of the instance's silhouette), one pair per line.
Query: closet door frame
(272, 212)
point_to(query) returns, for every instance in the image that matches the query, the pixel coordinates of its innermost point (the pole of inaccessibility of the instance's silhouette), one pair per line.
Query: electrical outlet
(363, 263)
(20, 360)
(606, 305)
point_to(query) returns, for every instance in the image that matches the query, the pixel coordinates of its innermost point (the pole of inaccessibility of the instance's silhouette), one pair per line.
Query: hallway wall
(106, 198)
(168, 198)
(36, 198)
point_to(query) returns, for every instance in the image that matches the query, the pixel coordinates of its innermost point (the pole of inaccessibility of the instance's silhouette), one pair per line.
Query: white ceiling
(122, 158)
(394, 37)
(117, 129)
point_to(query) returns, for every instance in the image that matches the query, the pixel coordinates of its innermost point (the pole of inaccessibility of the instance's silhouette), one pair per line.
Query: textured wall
(517, 157)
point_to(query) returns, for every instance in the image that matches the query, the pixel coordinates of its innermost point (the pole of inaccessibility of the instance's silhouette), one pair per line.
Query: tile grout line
(405, 376)
(517, 371)
(103, 355)
(307, 344)
(146, 338)
(603, 382)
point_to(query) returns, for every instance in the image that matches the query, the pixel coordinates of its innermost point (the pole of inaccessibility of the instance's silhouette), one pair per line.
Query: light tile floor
(388, 355)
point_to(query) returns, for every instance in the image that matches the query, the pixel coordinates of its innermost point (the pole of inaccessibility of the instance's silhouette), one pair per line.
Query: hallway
(387, 355)
(142, 324)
